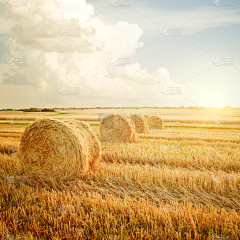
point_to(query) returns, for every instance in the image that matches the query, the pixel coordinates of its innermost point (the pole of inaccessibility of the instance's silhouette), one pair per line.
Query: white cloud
(56, 60)
(40, 33)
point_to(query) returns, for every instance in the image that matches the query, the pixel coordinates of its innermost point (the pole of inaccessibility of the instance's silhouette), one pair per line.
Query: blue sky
(190, 58)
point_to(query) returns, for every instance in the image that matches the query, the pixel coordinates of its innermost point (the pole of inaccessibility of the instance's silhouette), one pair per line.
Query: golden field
(182, 182)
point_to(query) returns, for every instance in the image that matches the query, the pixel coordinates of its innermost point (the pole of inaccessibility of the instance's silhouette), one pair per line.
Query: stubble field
(182, 182)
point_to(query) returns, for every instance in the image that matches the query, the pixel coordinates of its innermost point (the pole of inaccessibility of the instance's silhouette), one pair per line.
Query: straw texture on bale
(140, 123)
(117, 128)
(134, 136)
(155, 122)
(94, 146)
(55, 148)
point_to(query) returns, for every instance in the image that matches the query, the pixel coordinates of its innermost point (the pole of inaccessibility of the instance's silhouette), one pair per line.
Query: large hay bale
(116, 128)
(155, 122)
(94, 146)
(56, 149)
(140, 123)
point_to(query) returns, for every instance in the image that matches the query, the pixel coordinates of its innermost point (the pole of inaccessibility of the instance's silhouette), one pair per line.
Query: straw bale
(94, 146)
(155, 122)
(117, 128)
(52, 148)
(140, 123)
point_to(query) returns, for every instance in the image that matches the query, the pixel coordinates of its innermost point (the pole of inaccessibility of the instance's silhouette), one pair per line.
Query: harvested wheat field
(155, 122)
(117, 128)
(140, 123)
(181, 184)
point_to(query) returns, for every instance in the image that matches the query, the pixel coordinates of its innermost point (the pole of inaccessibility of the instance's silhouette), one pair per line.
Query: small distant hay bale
(155, 122)
(94, 146)
(146, 116)
(140, 123)
(56, 149)
(117, 128)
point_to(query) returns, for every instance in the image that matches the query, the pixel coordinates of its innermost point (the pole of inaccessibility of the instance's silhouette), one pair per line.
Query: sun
(213, 98)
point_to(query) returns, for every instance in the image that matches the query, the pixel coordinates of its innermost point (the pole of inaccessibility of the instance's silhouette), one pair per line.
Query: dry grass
(182, 184)
(8, 145)
(76, 214)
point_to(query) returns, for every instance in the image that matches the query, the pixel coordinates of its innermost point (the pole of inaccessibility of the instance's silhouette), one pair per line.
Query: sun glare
(213, 98)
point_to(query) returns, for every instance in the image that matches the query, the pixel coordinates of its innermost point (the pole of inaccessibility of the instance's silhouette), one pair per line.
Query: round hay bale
(155, 122)
(116, 128)
(54, 149)
(94, 146)
(140, 123)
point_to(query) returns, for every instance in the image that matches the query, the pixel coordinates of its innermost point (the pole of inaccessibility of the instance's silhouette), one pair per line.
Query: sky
(119, 53)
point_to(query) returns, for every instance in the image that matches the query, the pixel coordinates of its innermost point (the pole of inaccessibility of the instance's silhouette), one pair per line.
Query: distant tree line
(38, 110)
(73, 108)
